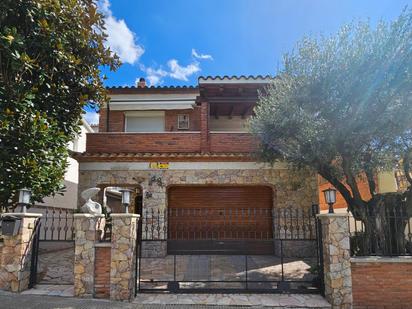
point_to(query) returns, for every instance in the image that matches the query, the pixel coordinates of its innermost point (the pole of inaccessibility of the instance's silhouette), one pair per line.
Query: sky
(173, 42)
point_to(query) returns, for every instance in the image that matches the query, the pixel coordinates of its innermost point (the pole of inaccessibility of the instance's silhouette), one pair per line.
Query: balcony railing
(232, 142)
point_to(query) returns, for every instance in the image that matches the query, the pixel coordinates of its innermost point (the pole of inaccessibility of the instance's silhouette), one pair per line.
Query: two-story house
(188, 148)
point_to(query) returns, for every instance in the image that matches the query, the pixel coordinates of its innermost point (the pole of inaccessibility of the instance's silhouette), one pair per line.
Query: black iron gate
(190, 250)
(32, 253)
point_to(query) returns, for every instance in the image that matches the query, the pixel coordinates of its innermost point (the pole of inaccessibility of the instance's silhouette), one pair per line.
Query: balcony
(169, 142)
(143, 142)
(231, 142)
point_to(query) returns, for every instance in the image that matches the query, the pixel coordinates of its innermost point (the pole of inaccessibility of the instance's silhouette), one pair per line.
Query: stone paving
(260, 300)
(66, 290)
(224, 268)
(56, 267)
(12, 300)
(195, 300)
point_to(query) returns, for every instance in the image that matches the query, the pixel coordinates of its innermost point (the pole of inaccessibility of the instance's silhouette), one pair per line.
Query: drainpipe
(107, 116)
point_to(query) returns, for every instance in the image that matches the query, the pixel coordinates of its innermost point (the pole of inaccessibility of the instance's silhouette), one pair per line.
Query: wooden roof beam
(247, 111)
(231, 112)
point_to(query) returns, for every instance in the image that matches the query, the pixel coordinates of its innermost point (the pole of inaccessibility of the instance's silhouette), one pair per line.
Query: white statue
(91, 207)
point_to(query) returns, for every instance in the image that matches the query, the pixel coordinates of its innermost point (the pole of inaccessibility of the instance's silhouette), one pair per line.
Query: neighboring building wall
(340, 201)
(71, 178)
(382, 282)
(385, 182)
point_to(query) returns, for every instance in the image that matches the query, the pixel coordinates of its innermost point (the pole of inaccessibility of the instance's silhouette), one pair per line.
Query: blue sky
(173, 42)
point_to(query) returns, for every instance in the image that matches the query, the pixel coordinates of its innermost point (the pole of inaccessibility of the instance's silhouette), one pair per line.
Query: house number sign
(159, 165)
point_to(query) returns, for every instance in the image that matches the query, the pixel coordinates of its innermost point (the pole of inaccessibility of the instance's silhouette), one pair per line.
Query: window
(182, 122)
(147, 121)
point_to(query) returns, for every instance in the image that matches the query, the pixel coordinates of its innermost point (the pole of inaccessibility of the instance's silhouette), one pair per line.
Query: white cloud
(121, 39)
(92, 117)
(154, 76)
(201, 56)
(182, 72)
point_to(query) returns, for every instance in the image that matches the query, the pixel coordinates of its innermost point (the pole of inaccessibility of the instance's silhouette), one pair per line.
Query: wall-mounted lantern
(24, 199)
(330, 198)
(126, 198)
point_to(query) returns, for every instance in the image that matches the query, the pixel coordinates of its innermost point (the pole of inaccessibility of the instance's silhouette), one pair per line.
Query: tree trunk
(385, 218)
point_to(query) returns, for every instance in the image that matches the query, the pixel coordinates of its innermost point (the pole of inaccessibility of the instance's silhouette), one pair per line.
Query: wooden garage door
(206, 216)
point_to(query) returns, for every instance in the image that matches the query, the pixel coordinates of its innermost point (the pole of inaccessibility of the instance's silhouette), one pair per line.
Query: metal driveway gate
(194, 251)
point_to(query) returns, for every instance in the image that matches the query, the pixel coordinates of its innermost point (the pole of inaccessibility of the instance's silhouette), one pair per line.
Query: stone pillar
(15, 260)
(88, 229)
(336, 260)
(122, 274)
(204, 127)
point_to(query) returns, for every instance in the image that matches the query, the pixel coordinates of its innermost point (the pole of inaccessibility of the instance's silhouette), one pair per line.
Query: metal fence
(385, 233)
(216, 223)
(57, 224)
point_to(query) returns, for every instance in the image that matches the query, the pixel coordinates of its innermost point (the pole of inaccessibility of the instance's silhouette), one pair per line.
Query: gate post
(122, 266)
(15, 260)
(336, 259)
(88, 229)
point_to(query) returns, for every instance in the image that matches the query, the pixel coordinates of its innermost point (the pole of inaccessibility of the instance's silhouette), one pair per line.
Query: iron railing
(57, 224)
(385, 233)
(230, 250)
(218, 223)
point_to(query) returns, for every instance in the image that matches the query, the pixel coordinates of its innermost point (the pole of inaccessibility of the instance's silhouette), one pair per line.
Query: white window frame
(179, 121)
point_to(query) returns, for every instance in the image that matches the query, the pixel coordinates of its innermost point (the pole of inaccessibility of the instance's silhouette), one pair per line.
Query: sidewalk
(12, 300)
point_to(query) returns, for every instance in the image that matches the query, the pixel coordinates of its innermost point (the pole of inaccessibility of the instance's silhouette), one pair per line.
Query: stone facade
(122, 274)
(291, 189)
(15, 259)
(88, 230)
(336, 259)
(295, 189)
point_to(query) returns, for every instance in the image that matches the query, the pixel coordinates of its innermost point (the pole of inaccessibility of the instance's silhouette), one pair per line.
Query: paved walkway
(56, 262)
(187, 300)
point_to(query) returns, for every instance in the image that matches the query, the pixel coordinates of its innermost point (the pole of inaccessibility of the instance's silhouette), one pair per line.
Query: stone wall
(88, 230)
(336, 260)
(123, 250)
(380, 282)
(290, 189)
(15, 258)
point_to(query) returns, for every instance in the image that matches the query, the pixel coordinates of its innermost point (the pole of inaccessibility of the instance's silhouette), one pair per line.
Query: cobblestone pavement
(224, 268)
(56, 262)
(11, 300)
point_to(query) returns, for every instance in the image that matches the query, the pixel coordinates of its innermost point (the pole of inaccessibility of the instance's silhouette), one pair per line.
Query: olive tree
(342, 105)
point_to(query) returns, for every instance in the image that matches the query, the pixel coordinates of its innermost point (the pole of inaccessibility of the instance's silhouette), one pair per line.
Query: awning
(143, 105)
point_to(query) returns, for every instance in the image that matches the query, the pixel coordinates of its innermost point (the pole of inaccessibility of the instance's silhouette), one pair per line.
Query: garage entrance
(220, 220)
(228, 239)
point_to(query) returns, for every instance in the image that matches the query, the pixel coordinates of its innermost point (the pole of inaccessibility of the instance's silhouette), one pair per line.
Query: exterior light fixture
(126, 198)
(330, 198)
(24, 199)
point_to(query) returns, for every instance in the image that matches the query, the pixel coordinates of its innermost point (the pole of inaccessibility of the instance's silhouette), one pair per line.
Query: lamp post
(330, 198)
(24, 198)
(126, 199)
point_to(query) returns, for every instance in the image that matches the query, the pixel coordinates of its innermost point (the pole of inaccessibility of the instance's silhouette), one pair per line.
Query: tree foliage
(342, 105)
(51, 53)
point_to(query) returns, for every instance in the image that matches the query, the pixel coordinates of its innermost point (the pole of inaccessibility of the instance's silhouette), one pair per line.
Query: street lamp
(126, 199)
(330, 198)
(24, 198)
